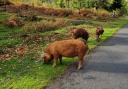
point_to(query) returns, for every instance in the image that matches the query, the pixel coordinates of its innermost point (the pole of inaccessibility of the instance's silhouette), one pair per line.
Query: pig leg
(60, 59)
(55, 61)
(81, 61)
(97, 37)
(101, 36)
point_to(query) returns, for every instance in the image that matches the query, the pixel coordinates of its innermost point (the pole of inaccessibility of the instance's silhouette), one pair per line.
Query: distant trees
(98, 3)
(106, 4)
(78, 4)
(82, 3)
(117, 4)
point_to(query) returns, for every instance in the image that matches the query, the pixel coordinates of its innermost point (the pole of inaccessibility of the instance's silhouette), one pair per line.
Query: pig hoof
(79, 68)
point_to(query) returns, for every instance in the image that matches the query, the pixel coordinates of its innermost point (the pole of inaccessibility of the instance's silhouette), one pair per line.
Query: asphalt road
(106, 68)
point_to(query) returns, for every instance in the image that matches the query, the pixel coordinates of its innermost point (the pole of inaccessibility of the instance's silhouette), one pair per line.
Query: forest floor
(27, 71)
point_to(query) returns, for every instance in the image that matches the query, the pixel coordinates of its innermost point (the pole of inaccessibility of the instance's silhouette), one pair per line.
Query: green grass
(28, 73)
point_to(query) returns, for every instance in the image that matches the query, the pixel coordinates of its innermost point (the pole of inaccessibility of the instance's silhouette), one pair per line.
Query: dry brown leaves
(5, 57)
(21, 50)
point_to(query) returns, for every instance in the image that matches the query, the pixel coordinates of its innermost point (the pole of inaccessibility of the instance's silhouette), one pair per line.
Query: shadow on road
(108, 67)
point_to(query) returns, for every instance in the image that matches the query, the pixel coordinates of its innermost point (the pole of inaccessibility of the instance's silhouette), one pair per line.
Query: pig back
(68, 48)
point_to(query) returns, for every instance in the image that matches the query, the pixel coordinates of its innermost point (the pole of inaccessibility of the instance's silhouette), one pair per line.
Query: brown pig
(65, 48)
(79, 33)
(99, 32)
